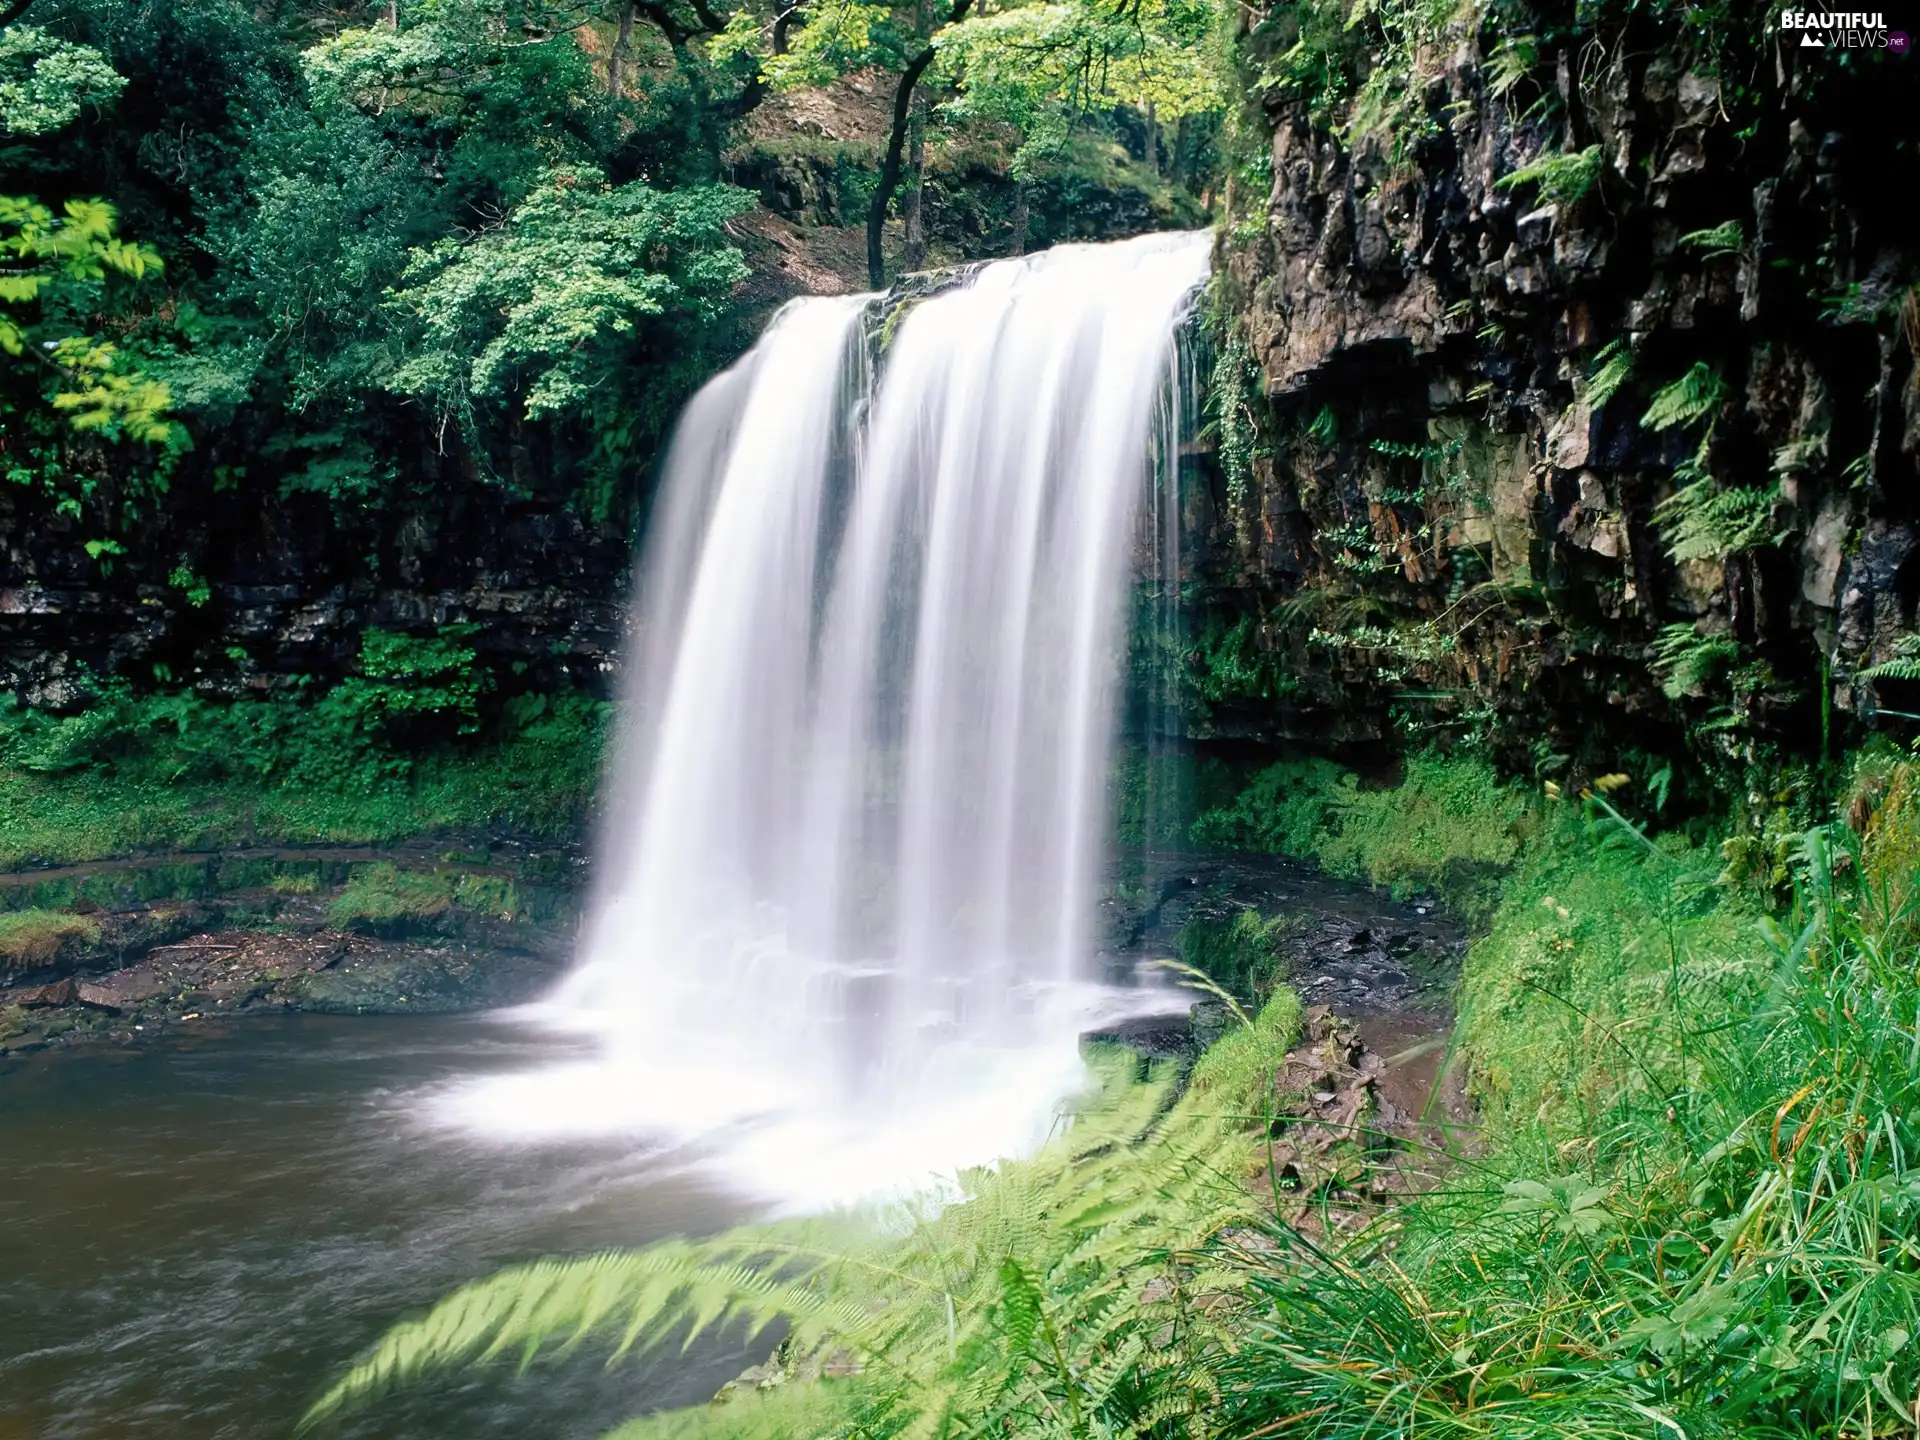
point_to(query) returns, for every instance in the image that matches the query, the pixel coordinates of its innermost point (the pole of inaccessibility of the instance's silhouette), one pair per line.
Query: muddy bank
(114, 951)
(1375, 973)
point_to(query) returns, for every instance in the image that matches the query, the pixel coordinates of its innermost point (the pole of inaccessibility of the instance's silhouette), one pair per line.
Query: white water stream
(841, 932)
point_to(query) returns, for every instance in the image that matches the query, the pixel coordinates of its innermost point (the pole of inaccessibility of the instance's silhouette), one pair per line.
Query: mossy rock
(37, 939)
(386, 901)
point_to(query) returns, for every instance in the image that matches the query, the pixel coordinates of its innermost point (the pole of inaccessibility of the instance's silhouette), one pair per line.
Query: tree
(545, 310)
(1043, 68)
(896, 144)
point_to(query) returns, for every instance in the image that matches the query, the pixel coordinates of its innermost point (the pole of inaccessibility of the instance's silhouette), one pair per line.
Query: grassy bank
(1689, 1213)
(358, 764)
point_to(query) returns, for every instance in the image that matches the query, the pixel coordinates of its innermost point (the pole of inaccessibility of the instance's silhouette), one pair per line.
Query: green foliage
(175, 770)
(404, 678)
(1235, 402)
(1042, 67)
(1444, 827)
(1723, 239)
(1695, 396)
(1284, 809)
(545, 306)
(1240, 953)
(1904, 664)
(1702, 521)
(33, 939)
(52, 273)
(1686, 661)
(1228, 665)
(1693, 1218)
(45, 82)
(1053, 1296)
(1612, 368)
(1563, 179)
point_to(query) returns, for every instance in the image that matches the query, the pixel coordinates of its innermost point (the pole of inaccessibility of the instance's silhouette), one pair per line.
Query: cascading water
(842, 922)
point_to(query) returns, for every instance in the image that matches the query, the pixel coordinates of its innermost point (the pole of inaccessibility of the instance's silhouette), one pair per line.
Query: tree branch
(896, 144)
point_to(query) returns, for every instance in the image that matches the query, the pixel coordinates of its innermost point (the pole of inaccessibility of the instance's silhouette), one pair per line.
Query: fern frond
(1685, 661)
(1904, 664)
(1038, 1295)
(1694, 396)
(1612, 367)
(1701, 521)
(1722, 239)
(1564, 179)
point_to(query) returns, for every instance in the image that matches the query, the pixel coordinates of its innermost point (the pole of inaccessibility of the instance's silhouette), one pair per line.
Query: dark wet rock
(1341, 941)
(1425, 332)
(262, 948)
(402, 979)
(37, 997)
(1170, 1037)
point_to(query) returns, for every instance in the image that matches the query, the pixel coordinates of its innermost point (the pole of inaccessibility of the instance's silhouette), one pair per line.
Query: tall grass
(1704, 1227)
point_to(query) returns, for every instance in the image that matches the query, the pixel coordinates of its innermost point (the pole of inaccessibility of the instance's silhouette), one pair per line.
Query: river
(196, 1232)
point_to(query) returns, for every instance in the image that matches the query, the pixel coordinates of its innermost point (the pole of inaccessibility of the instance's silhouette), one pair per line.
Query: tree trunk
(896, 146)
(622, 48)
(1177, 168)
(913, 255)
(393, 14)
(1153, 138)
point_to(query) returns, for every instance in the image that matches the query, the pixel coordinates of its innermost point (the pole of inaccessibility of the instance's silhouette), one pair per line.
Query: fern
(1058, 1298)
(1686, 662)
(1703, 522)
(1904, 664)
(1564, 179)
(1612, 367)
(1725, 239)
(1694, 396)
(1510, 63)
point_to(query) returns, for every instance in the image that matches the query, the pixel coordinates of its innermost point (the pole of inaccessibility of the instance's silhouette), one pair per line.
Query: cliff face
(1471, 365)
(232, 594)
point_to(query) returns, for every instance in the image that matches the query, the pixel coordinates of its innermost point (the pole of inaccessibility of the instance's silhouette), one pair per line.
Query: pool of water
(196, 1233)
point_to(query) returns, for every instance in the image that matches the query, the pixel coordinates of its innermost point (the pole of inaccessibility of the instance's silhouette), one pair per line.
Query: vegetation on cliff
(1529, 399)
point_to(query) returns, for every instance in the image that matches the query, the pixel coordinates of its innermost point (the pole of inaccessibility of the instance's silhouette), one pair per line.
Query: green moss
(1449, 827)
(31, 939)
(1285, 809)
(381, 899)
(1239, 953)
(180, 772)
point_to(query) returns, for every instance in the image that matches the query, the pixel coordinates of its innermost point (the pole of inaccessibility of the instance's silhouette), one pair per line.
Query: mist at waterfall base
(841, 942)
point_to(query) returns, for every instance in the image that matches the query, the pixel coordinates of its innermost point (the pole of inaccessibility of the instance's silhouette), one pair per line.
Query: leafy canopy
(545, 305)
(1042, 67)
(45, 81)
(52, 274)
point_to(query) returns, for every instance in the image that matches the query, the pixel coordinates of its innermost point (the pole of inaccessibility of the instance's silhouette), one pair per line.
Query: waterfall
(841, 929)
